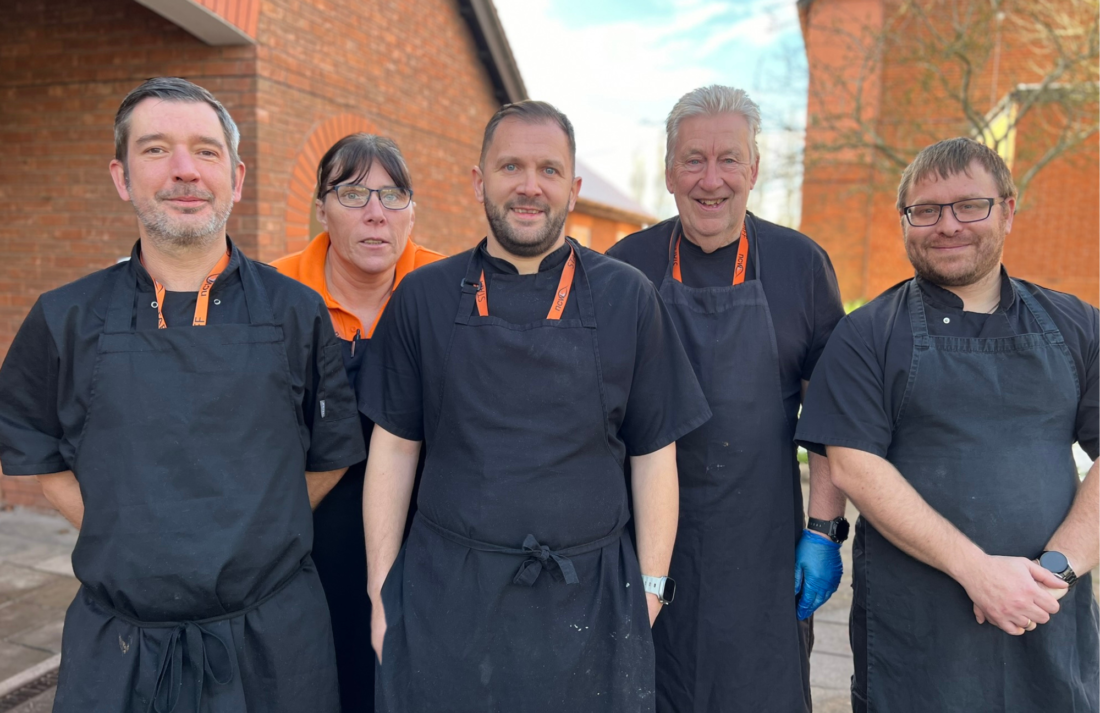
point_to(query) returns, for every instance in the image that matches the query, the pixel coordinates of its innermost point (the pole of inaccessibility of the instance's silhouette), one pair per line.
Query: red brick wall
(597, 232)
(413, 74)
(848, 197)
(65, 66)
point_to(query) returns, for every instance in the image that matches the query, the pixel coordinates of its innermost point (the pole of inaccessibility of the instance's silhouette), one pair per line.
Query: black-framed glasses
(352, 195)
(971, 210)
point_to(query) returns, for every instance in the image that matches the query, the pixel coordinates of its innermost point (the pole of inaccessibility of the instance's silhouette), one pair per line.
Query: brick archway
(303, 178)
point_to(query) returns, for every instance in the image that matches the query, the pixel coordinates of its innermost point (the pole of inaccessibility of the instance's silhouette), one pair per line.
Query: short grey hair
(172, 89)
(710, 101)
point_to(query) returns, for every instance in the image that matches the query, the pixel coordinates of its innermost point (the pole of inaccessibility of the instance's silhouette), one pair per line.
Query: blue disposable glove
(817, 570)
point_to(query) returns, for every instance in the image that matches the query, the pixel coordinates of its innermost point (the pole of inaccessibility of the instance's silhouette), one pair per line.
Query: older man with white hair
(754, 304)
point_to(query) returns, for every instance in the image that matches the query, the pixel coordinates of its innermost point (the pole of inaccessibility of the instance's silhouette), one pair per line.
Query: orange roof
(308, 267)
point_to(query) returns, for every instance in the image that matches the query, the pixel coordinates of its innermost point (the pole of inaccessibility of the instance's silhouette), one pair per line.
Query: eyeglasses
(352, 195)
(970, 210)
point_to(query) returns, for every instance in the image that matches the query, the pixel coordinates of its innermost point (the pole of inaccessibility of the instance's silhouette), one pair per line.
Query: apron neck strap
(1050, 329)
(917, 317)
(259, 306)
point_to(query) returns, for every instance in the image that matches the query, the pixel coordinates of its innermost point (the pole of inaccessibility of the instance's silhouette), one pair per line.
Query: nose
(373, 212)
(948, 224)
(711, 180)
(530, 185)
(184, 168)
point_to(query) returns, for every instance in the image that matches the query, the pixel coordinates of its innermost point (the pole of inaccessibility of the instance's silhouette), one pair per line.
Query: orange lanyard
(202, 302)
(739, 266)
(565, 284)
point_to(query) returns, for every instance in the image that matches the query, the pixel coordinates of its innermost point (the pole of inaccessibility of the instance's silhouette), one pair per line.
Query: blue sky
(617, 67)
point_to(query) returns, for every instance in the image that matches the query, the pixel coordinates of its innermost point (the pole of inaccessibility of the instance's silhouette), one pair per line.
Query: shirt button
(947, 320)
(217, 302)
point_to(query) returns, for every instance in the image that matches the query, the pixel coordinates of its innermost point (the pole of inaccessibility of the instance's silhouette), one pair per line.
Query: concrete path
(36, 587)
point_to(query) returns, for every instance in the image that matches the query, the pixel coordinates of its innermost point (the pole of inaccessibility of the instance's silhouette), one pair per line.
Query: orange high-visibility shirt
(308, 267)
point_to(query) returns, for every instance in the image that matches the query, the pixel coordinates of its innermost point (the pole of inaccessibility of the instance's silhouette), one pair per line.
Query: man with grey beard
(184, 410)
(530, 368)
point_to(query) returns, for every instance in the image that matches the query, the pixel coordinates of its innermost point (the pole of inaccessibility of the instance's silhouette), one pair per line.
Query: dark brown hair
(530, 112)
(350, 159)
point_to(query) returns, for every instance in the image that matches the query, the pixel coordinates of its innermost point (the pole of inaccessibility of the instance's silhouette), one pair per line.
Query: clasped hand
(1014, 594)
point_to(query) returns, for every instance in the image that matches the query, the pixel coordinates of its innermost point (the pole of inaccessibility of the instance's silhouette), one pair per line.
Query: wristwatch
(835, 529)
(1058, 565)
(663, 587)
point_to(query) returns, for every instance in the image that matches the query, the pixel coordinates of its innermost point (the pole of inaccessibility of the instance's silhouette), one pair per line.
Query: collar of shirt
(551, 261)
(230, 275)
(311, 272)
(945, 299)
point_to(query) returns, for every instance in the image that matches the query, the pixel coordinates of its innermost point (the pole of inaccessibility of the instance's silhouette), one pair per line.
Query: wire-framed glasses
(352, 195)
(970, 210)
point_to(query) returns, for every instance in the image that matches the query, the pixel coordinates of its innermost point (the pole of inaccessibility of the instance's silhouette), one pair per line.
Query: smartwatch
(663, 587)
(835, 529)
(1057, 564)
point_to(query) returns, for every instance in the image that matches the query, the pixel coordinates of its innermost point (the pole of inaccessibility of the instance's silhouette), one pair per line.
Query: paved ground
(831, 660)
(36, 587)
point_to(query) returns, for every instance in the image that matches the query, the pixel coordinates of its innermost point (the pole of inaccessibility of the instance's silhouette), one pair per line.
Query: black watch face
(842, 529)
(1055, 562)
(670, 591)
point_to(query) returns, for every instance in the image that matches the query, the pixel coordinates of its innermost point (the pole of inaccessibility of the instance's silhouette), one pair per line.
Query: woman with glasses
(364, 202)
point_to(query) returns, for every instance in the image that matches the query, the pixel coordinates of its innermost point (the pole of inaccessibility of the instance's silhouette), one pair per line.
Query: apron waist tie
(538, 556)
(194, 636)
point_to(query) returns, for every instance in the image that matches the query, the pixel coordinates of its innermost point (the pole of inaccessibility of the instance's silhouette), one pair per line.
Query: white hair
(710, 101)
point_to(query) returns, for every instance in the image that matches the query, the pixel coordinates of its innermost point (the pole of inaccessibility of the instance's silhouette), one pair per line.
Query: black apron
(516, 589)
(198, 589)
(983, 434)
(731, 640)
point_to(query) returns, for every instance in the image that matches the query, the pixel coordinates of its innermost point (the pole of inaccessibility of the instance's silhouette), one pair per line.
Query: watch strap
(655, 586)
(829, 528)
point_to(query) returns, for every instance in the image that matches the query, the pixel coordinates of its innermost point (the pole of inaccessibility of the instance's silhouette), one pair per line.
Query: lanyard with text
(202, 302)
(739, 267)
(565, 284)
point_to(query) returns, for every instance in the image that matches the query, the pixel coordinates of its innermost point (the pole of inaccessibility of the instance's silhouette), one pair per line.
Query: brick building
(873, 76)
(604, 215)
(295, 74)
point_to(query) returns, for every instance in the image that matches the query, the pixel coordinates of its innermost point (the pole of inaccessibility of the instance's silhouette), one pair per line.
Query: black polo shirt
(652, 396)
(46, 378)
(796, 274)
(860, 380)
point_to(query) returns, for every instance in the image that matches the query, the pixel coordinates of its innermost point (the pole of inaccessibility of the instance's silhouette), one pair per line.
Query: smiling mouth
(710, 202)
(373, 241)
(527, 212)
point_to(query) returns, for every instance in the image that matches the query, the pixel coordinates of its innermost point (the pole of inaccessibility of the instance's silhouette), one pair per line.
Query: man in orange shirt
(364, 201)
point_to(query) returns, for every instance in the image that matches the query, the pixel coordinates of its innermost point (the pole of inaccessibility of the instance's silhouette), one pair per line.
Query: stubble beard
(168, 233)
(987, 258)
(511, 240)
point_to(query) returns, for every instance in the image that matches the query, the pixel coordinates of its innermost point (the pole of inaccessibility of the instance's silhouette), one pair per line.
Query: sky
(616, 67)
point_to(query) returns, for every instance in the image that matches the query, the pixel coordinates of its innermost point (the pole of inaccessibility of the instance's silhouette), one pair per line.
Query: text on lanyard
(739, 266)
(561, 296)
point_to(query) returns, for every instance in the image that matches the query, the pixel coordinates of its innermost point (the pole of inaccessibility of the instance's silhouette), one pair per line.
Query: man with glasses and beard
(183, 410)
(530, 368)
(948, 407)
